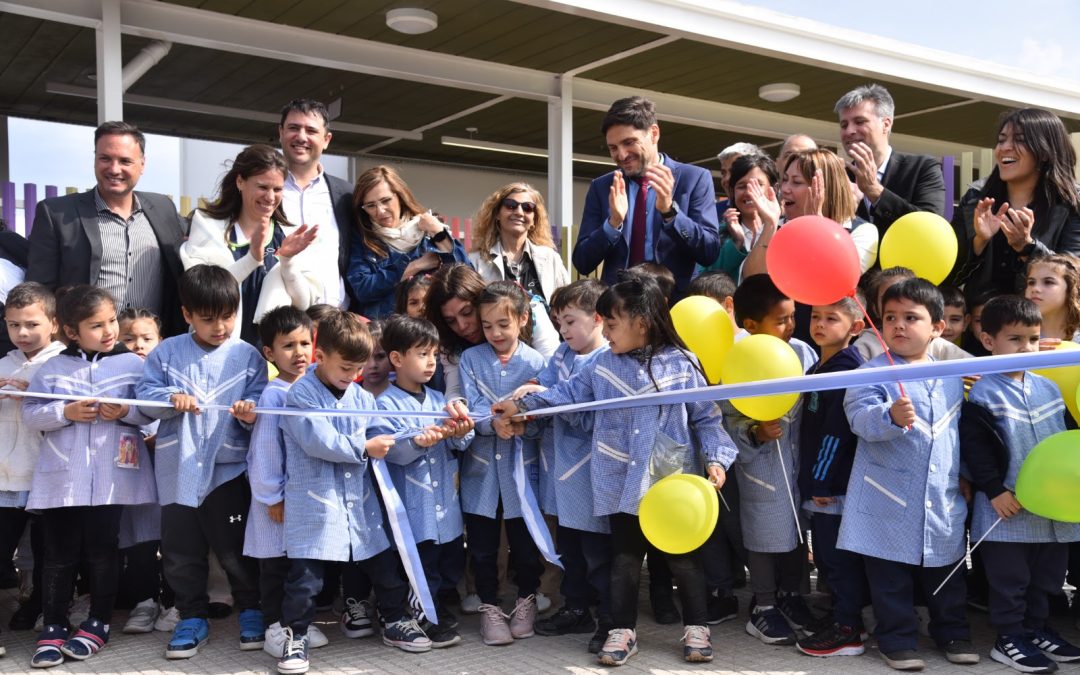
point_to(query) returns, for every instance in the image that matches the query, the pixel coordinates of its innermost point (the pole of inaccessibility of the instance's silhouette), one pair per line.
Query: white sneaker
(80, 610)
(142, 617)
(274, 640)
(167, 620)
(543, 603)
(316, 638)
(39, 623)
(471, 604)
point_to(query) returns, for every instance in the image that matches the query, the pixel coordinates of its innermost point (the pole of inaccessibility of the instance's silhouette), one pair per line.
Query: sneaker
(356, 619)
(960, 652)
(48, 652)
(663, 606)
(441, 636)
(447, 618)
(294, 656)
(471, 604)
(722, 608)
(769, 625)
(598, 638)
(87, 641)
(696, 645)
(543, 602)
(39, 623)
(494, 630)
(316, 638)
(406, 636)
(904, 659)
(274, 640)
(252, 632)
(167, 620)
(1055, 647)
(1020, 653)
(837, 641)
(566, 621)
(620, 645)
(523, 617)
(142, 617)
(79, 611)
(793, 607)
(190, 634)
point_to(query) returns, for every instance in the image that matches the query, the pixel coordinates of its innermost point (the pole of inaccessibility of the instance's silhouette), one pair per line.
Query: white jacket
(550, 269)
(19, 445)
(290, 282)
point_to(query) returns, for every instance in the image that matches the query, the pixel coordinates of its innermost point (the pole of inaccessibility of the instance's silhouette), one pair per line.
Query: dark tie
(637, 234)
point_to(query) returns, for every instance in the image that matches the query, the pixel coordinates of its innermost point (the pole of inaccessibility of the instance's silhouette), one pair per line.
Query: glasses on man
(512, 205)
(383, 203)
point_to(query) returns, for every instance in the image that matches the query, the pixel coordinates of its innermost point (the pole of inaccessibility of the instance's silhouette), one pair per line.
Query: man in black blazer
(892, 183)
(124, 241)
(313, 197)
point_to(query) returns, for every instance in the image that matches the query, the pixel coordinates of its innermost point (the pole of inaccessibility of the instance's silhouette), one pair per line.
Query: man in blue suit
(651, 209)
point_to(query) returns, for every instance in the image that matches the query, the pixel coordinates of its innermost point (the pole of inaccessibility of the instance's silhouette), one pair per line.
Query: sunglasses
(511, 205)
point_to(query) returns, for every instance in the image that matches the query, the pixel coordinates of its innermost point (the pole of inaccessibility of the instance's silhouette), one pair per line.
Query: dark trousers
(189, 533)
(431, 559)
(629, 545)
(1022, 577)
(13, 523)
(586, 557)
(892, 590)
(451, 565)
(140, 575)
(74, 535)
(843, 570)
(770, 572)
(305, 580)
(524, 559)
(272, 575)
(724, 552)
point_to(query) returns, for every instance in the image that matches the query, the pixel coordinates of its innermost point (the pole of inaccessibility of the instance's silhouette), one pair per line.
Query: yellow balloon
(762, 357)
(1067, 378)
(706, 328)
(679, 512)
(923, 242)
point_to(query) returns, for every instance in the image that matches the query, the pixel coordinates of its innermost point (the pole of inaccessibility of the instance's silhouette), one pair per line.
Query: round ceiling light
(779, 92)
(412, 21)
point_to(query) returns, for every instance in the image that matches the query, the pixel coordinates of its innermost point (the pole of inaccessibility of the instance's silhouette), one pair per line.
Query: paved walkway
(736, 652)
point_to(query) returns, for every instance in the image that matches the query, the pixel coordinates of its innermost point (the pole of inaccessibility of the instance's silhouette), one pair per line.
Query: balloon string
(790, 494)
(877, 334)
(963, 560)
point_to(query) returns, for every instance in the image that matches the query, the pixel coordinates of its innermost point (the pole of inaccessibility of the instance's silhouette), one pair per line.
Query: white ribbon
(530, 510)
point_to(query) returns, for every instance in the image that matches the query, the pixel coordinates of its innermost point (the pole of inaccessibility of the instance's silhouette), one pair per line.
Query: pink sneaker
(523, 617)
(493, 627)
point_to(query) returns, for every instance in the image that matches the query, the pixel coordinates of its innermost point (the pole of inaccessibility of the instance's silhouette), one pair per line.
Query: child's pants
(771, 570)
(1022, 577)
(843, 570)
(483, 535)
(432, 556)
(587, 560)
(75, 534)
(892, 590)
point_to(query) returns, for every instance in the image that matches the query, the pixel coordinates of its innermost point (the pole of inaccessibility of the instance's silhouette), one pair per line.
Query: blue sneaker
(187, 637)
(769, 625)
(406, 636)
(1018, 652)
(87, 641)
(1055, 647)
(252, 631)
(48, 652)
(294, 658)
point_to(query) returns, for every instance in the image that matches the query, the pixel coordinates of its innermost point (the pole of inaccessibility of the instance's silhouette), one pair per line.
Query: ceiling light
(412, 21)
(779, 92)
(528, 151)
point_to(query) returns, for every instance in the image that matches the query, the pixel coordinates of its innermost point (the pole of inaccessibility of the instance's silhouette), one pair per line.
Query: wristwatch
(443, 235)
(670, 213)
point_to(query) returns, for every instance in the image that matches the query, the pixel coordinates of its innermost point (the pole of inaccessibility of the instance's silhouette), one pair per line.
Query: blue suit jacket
(692, 237)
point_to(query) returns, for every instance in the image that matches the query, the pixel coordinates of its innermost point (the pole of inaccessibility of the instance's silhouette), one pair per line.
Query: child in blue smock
(645, 355)
(424, 468)
(904, 512)
(1025, 555)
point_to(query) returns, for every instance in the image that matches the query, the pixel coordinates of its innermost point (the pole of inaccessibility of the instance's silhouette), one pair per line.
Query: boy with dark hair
(716, 285)
(331, 511)
(423, 466)
(1025, 556)
(200, 455)
(768, 460)
(905, 513)
(956, 315)
(664, 278)
(827, 449)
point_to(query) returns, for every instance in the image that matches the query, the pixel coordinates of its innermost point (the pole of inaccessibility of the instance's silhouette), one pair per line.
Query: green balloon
(1049, 480)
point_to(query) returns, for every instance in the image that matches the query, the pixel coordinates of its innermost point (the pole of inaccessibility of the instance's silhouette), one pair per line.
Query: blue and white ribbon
(530, 510)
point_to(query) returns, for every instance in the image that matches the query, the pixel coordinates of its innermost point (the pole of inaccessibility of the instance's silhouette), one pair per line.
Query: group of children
(284, 481)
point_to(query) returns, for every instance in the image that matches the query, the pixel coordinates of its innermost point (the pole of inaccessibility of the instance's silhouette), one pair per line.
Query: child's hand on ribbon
(112, 411)
(378, 446)
(81, 411)
(243, 411)
(526, 389)
(429, 436)
(184, 403)
(506, 427)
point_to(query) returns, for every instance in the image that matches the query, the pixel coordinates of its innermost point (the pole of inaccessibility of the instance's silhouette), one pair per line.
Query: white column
(110, 66)
(560, 197)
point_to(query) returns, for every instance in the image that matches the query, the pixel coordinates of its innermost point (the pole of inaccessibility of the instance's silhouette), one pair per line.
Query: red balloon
(813, 260)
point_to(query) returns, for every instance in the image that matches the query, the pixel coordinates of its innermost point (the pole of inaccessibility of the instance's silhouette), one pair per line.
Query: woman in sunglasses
(398, 239)
(512, 241)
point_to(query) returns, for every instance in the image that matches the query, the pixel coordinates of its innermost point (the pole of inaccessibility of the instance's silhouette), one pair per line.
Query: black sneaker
(722, 608)
(566, 621)
(836, 641)
(768, 625)
(1019, 653)
(447, 618)
(599, 637)
(904, 659)
(1055, 647)
(960, 652)
(793, 607)
(441, 636)
(663, 606)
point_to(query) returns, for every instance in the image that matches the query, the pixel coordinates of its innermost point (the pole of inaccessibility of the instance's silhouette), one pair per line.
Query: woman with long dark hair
(1028, 207)
(398, 239)
(246, 232)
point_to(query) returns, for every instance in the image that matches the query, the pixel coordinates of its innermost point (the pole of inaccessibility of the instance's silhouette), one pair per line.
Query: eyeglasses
(385, 203)
(511, 205)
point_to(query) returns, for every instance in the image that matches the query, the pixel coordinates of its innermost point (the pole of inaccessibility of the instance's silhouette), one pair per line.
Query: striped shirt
(130, 258)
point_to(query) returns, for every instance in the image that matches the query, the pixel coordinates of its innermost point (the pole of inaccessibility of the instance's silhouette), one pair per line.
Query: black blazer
(345, 215)
(65, 247)
(912, 183)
